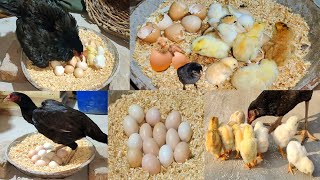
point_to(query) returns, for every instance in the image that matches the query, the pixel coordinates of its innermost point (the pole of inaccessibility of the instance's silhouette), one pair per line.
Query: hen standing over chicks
(45, 31)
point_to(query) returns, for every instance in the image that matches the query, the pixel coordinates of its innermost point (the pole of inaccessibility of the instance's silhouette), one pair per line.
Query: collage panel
(237, 150)
(53, 135)
(156, 135)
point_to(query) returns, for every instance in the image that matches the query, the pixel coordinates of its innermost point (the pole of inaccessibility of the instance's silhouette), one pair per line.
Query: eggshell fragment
(134, 157)
(78, 73)
(177, 10)
(61, 153)
(164, 21)
(185, 131)
(191, 23)
(53, 164)
(149, 33)
(160, 61)
(130, 125)
(136, 112)
(173, 120)
(150, 146)
(179, 60)
(172, 138)
(145, 131)
(159, 133)
(151, 164)
(153, 116)
(198, 10)
(182, 152)
(166, 155)
(175, 32)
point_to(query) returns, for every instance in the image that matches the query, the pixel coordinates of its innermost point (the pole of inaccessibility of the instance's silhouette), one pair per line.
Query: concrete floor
(12, 127)
(223, 103)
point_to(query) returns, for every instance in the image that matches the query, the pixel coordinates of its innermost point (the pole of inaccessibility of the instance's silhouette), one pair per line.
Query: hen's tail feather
(93, 131)
(10, 7)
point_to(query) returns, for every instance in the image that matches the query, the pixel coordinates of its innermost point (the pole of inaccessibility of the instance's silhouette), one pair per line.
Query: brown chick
(213, 140)
(279, 48)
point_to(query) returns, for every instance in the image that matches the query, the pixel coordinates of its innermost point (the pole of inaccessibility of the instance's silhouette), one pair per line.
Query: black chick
(62, 124)
(279, 103)
(190, 73)
(45, 31)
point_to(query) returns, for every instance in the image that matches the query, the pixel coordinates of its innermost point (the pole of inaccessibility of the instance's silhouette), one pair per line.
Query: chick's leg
(238, 155)
(248, 166)
(282, 152)
(290, 168)
(260, 156)
(274, 125)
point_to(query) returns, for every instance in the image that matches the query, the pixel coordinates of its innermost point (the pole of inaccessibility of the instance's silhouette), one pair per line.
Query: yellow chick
(246, 45)
(227, 138)
(255, 76)
(280, 47)
(210, 46)
(238, 137)
(237, 117)
(221, 71)
(213, 140)
(215, 13)
(248, 147)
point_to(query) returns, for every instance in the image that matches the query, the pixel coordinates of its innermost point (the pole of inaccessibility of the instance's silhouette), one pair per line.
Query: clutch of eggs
(44, 155)
(153, 143)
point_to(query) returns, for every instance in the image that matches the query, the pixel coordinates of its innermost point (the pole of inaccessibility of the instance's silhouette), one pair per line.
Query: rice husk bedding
(93, 78)
(19, 154)
(189, 104)
(267, 11)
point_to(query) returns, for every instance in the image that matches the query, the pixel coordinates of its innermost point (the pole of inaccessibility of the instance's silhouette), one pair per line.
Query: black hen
(279, 103)
(190, 73)
(61, 124)
(45, 31)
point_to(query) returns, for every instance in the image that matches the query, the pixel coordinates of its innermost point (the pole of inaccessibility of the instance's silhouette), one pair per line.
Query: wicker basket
(111, 15)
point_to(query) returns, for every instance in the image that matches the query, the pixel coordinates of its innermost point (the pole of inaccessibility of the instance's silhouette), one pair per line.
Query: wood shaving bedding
(189, 104)
(267, 11)
(19, 154)
(93, 78)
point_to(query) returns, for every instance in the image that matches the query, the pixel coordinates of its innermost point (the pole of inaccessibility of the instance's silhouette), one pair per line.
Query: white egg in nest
(130, 125)
(38, 148)
(166, 155)
(136, 112)
(159, 133)
(172, 138)
(145, 131)
(173, 120)
(35, 158)
(41, 163)
(153, 116)
(181, 152)
(47, 146)
(135, 141)
(53, 164)
(185, 131)
(151, 164)
(42, 152)
(150, 146)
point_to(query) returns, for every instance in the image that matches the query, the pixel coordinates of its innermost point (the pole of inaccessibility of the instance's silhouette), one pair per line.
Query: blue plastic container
(93, 102)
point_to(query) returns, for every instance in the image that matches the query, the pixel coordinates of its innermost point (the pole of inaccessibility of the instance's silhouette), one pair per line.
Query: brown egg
(145, 131)
(150, 146)
(179, 60)
(78, 73)
(175, 32)
(172, 138)
(181, 152)
(134, 157)
(151, 164)
(159, 133)
(149, 33)
(68, 69)
(198, 10)
(177, 11)
(191, 23)
(160, 61)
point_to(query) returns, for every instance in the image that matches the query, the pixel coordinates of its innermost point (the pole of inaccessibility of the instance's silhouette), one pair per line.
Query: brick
(98, 169)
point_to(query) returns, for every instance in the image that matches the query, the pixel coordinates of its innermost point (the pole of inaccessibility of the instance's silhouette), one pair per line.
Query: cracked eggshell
(198, 10)
(149, 33)
(178, 10)
(175, 32)
(164, 21)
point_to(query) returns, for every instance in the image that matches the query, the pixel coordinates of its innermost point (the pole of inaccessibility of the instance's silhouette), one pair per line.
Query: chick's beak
(7, 99)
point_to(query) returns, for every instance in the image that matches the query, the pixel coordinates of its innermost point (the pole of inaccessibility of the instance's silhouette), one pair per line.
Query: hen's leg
(73, 146)
(274, 125)
(305, 133)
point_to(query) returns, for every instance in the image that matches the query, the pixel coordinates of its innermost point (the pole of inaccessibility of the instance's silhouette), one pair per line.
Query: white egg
(82, 65)
(35, 158)
(59, 70)
(135, 141)
(151, 164)
(166, 155)
(32, 153)
(172, 138)
(134, 157)
(61, 153)
(42, 152)
(57, 160)
(130, 125)
(53, 164)
(150, 146)
(153, 116)
(182, 152)
(41, 163)
(136, 112)
(38, 148)
(145, 131)
(159, 133)
(47, 146)
(185, 131)
(173, 120)
(49, 155)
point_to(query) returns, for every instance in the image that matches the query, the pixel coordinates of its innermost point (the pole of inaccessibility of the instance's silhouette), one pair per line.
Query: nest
(112, 16)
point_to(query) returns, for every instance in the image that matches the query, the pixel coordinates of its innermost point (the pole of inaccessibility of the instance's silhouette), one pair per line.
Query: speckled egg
(165, 155)
(151, 164)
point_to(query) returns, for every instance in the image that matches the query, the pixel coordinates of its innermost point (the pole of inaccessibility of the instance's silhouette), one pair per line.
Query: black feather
(190, 73)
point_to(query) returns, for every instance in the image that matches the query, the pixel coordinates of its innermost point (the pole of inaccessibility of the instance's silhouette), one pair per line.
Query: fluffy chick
(210, 46)
(221, 71)
(237, 117)
(189, 73)
(262, 135)
(297, 156)
(280, 47)
(238, 137)
(228, 32)
(248, 147)
(285, 132)
(213, 140)
(246, 45)
(255, 76)
(215, 13)
(227, 137)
